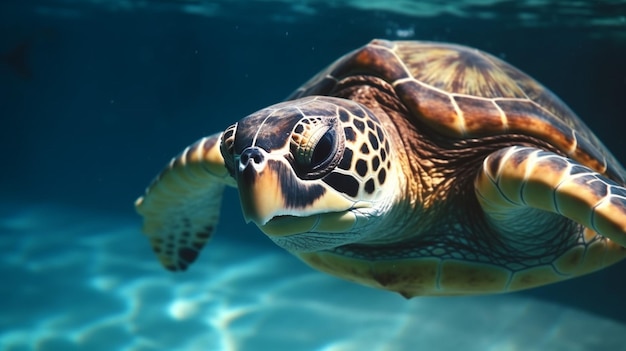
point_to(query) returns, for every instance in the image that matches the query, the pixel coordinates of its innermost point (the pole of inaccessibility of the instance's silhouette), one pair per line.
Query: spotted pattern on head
(366, 155)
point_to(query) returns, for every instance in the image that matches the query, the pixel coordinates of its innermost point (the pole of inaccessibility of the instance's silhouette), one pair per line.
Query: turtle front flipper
(181, 206)
(517, 185)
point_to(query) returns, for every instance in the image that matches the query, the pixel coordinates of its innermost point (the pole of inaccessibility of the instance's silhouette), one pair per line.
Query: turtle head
(310, 172)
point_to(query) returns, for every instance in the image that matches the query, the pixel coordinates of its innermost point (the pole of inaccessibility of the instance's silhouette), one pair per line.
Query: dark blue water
(95, 97)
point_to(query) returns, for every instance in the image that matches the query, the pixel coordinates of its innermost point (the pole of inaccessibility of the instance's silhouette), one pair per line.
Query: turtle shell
(461, 92)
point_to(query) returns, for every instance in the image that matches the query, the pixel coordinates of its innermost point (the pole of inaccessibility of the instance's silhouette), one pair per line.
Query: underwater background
(96, 97)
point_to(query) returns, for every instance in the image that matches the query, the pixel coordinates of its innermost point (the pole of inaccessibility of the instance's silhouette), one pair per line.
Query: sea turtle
(418, 167)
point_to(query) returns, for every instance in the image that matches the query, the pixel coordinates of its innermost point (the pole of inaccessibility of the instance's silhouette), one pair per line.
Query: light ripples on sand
(79, 281)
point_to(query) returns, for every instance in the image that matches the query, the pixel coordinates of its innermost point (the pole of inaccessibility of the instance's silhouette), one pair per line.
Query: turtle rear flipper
(181, 206)
(517, 182)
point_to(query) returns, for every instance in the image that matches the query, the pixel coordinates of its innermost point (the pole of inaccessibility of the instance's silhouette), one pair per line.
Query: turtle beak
(259, 187)
(276, 200)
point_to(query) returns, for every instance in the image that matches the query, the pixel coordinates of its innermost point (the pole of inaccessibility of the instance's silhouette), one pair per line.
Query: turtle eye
(315, 148)
(311, 150)
(323, 150)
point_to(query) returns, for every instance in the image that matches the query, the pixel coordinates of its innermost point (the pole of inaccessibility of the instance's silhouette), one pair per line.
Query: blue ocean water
(96, 96)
